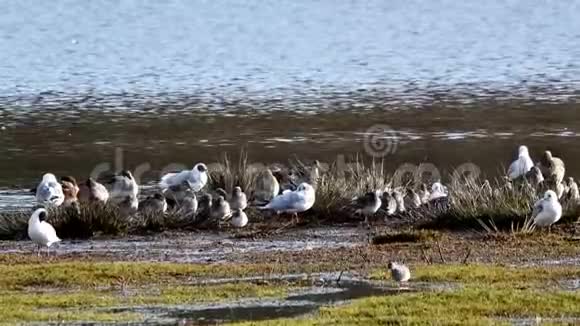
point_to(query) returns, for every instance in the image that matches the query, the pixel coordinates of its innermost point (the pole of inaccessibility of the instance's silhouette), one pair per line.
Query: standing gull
(40, 231)
(293, 202)
(367, 205)
(49, 191)
(547, 210)
(521, 165)
(197, 178)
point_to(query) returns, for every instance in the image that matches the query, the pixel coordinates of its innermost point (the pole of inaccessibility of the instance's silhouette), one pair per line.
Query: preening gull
(267, 187)
(49, 191)
(552, 167)
(70, 190)
(521, 165)
(547, 210)
(93, 192)
(40, 231)
(294, 202)
(197, 178)
(399, 272)
(122, 185)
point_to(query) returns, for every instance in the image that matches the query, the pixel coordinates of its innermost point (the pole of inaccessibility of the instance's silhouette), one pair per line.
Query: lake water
(186, 81)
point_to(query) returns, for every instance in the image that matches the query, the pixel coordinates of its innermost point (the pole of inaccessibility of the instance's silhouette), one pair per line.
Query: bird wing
(48, 231)
(514, 170)
(538, 207)
(286, 202)
(170, 179)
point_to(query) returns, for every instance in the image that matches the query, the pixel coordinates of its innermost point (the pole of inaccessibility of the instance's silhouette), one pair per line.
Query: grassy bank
(84, 291)
(485, 205)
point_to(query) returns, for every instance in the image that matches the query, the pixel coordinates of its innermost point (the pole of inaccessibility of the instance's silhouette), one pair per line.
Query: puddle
(303, 301)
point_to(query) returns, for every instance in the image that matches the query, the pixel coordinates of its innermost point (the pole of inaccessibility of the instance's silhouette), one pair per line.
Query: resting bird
(267, 187)
(204, 207)
(196, 177)
(188, 205)
(534, 176)
(399, 272)
(175, 194)
(400, 200)
(93, 192)
(49, 191)
(367, 205)
(437, 191)
(40, 231)
(293, 202)
(389, 203)
(573, 195)
(220, 209)
(129, 206)
(424, 194)
(238, 199)
(412, 199)
(547, 210)
(521, 165)
(155, 204)
(239, 218)
(552, 167)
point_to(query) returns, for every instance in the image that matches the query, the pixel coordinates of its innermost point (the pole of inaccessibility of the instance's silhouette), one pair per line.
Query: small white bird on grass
(49, 191)
(40, 231)
(293, 202)
(399, 272)
(197, 178)
(547, 210)
(521, 165)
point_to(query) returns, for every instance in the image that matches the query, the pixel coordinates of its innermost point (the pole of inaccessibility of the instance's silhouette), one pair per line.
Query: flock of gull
(179, 191)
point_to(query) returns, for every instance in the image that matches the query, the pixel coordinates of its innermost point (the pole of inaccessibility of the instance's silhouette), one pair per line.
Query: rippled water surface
(159, 83)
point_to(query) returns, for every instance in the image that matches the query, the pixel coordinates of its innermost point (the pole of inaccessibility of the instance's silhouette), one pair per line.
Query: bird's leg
(38, 250)
(295, 218)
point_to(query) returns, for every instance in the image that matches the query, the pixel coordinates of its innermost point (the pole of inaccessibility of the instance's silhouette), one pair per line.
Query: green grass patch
(485, 295)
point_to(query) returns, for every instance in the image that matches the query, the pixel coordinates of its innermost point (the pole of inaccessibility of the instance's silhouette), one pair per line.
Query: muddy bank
(344, 248)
